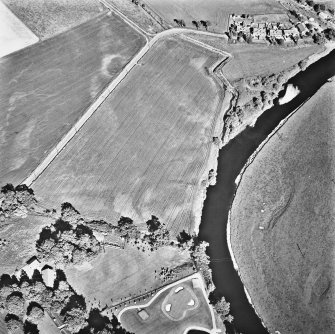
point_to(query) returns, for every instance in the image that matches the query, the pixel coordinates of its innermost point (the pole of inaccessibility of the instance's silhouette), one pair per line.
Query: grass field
(288, 267)
(47, 18)
(254, 59)
(216, 11)
(145, 150)
(18, 236)
(158, 322)
(47, 87)
(123, 273)
(14, 35)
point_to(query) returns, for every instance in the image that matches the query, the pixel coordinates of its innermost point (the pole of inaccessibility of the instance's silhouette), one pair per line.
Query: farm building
(301, 28)
(291, 32)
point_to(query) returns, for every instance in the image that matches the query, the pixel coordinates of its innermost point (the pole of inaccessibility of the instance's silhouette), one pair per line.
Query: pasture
(14, 35)
(145, 150)
(47, 18)
(288, 191)
(215, 11)
(120, 274)
(253, 60)
(47, 87)
(159, 320)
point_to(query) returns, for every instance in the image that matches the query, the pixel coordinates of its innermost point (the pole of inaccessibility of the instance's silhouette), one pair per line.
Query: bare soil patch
(47, 18)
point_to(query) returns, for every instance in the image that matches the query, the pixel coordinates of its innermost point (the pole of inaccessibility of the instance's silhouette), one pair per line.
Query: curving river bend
(232, 158)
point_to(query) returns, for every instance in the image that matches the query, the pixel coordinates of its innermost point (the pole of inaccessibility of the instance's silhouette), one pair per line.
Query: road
(151, 40)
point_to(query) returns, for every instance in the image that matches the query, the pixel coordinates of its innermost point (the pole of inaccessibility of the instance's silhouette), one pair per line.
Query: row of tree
(197, 23)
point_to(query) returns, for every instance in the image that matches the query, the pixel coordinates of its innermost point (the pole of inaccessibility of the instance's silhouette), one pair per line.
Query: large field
(47, 87)
(146, 148)
(162, 321)
(216, 11)
(288, 190)
(47, 18)
(124, 273)
(14, 35)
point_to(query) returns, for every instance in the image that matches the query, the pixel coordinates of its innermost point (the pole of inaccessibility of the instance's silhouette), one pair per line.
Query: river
(232, 158)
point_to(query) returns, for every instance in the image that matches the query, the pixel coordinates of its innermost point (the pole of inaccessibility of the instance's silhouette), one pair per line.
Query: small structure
(143, 314)
(48, 275)
(31, 265)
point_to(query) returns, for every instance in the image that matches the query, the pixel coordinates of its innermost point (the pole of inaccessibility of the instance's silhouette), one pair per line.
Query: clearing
(47, 87)
(145, 150)
(14, 35)
(17, 241)
(121, 274)
(189, 305)
(215, 11)
(282, 229)
(47, 18)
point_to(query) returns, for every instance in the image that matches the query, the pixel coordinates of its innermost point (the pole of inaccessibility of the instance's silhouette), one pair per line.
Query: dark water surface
(232, 158)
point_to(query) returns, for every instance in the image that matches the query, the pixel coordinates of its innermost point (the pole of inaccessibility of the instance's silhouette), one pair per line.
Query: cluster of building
(243, 27)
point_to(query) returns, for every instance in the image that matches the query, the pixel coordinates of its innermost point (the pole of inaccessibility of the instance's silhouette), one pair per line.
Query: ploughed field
(282, 229)
(49, 17)
(215, 11)
(145, 150)
(47, 87)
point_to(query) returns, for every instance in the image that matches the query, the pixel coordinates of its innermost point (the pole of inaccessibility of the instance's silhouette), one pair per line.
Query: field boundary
(204, 292)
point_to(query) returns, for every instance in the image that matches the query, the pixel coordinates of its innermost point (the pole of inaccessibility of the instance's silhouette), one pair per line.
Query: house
(301, 28)
(48, 275)
(31, 265)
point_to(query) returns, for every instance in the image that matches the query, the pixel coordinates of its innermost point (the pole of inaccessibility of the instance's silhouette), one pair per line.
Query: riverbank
(250, 120)
(209, 179)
